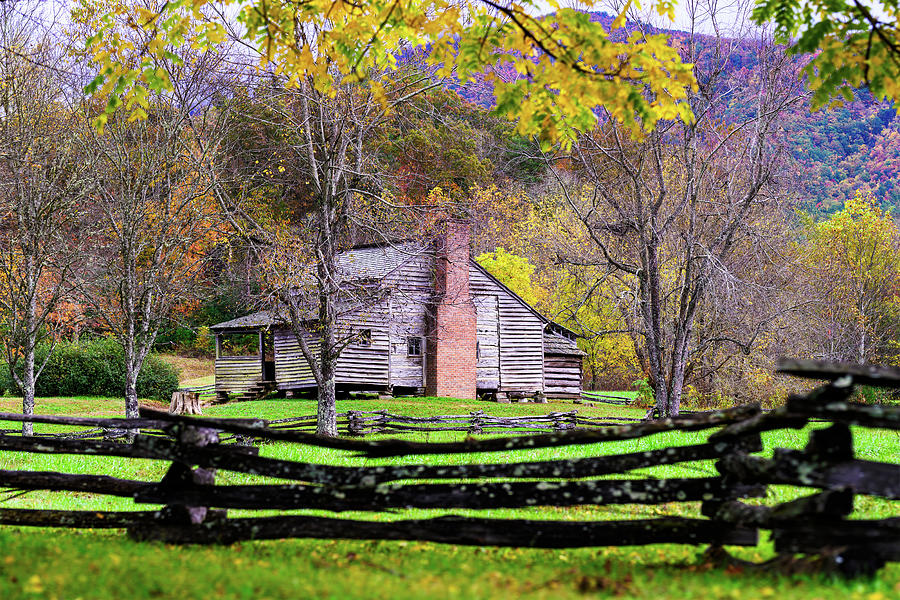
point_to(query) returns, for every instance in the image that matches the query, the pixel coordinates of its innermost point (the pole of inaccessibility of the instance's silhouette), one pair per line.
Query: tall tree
(322, 162)
(157, 215)
(156, 162)
(43, 179)
(667, 215)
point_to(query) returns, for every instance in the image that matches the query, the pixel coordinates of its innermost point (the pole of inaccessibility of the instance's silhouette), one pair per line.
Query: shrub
(875, 395)
(645, 395)
(96, 368)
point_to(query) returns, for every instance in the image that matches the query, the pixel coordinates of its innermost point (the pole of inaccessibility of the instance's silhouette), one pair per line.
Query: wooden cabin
(440, 325)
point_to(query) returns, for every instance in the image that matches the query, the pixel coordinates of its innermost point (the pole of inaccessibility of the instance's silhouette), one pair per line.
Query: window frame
(409, 341)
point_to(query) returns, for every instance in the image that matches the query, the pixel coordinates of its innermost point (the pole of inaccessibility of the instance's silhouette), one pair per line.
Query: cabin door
(488, 348)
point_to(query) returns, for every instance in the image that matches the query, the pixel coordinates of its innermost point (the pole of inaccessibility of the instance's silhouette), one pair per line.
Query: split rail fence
(360, 423)
(194, 508)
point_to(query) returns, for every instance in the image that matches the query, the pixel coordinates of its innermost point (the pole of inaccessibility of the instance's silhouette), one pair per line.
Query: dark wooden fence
(360, 423)
(194, 506)
(606, 398)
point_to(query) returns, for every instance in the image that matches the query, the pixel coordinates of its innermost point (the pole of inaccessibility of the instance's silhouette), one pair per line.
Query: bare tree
(669, 216)
(323, 160)
(159, 213)
(43, 179)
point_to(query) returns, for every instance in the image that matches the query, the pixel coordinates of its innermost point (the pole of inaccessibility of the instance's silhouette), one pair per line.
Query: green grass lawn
(87, 564)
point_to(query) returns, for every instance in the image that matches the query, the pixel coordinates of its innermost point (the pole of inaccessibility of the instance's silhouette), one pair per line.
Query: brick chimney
(450, 367)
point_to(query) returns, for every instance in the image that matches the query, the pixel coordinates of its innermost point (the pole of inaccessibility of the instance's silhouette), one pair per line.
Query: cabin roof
(375, 262)
(263, 318)
(557, 344)
(378, 261)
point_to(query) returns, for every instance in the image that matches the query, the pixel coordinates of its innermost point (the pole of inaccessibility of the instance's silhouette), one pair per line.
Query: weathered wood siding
(408, 319)
(562, 376)
(408, 271)
(292, 371)
(366, 365)
(238, 373)
(521, 336)
(358, 364)
(488, 331)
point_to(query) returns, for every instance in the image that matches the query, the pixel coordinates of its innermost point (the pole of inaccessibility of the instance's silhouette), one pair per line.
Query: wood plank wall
(408, 319)
(487, 326)
(237, 373)
(291, 369)
(562, 376)
(357, 364)
(367, 365)
(521, 337)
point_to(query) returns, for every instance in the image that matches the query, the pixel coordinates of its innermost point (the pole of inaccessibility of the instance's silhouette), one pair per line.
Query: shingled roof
(263, 318)
(557, 344)
(375, 262)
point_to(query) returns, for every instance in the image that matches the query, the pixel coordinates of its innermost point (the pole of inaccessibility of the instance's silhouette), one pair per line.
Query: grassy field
(107, 565)
(192, 371)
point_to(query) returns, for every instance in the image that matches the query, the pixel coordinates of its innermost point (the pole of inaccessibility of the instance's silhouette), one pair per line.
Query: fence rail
(606, 398)
(195, 506)
(362, 423)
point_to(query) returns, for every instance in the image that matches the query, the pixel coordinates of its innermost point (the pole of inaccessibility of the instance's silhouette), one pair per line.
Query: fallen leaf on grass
(34, 585)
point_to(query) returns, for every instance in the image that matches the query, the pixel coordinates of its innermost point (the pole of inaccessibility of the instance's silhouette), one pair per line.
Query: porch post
(262, 353)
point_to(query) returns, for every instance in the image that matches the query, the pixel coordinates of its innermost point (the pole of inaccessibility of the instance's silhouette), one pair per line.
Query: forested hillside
(833, 152)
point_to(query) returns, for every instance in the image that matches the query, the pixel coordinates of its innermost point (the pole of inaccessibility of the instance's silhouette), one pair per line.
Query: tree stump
(185, 403)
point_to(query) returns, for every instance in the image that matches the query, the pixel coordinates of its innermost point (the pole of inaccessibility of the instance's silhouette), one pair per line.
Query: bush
(875, 395)
(96, 368)
(645, 397)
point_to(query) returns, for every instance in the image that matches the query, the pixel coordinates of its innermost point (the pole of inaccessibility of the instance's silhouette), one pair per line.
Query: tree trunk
(32, 276)
(131, 397)
(679, 366)
(28, 391)
(673, 405)
(651, 308)
(329, 292)
(326, 423)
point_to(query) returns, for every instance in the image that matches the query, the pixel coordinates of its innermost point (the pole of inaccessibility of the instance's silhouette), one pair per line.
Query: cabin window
(364, 338)
(477, 350)
(414, 346)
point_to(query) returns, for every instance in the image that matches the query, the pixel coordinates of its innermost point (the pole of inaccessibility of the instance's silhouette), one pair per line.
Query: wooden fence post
(355, 424)
(477, 422)
(183, 476)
